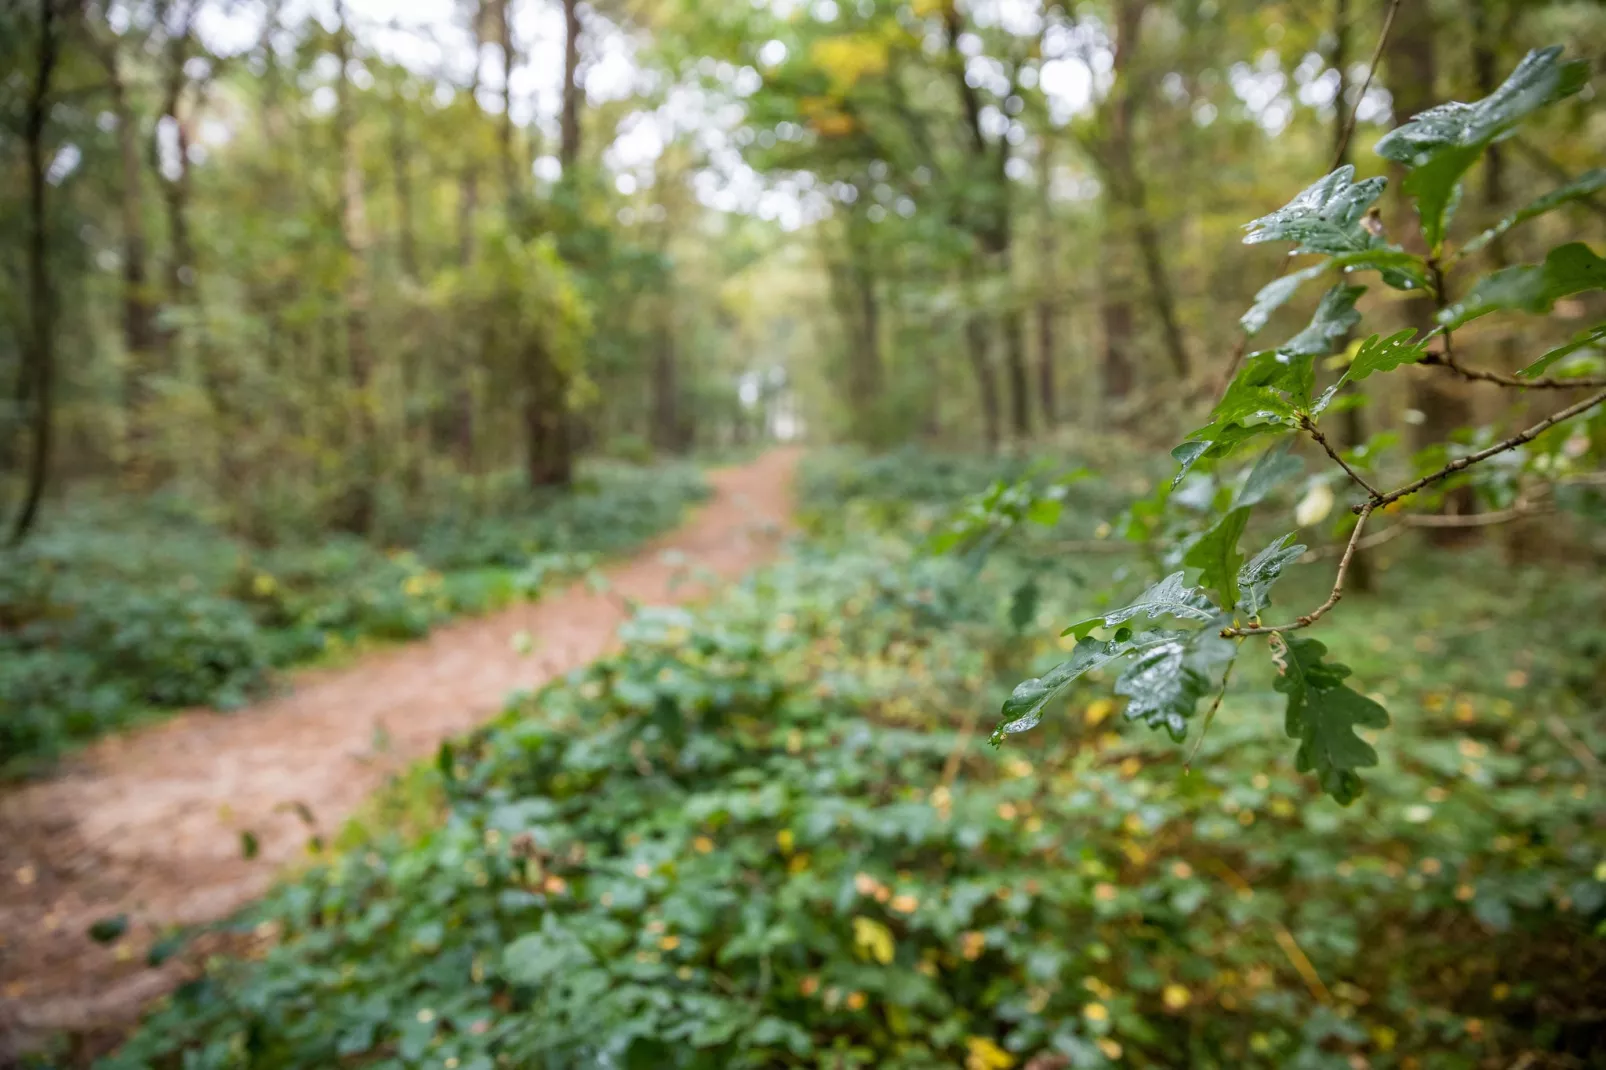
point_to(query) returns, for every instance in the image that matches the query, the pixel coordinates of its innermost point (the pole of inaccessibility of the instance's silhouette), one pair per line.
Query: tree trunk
(981, 365)
(41, 290)
(139, 325)
(356, 513)
(402, 172)
(1443, 405)
(1020, 401)
(569, 121)
(1122, 173)
(666, 430)
(1046, 292)
(510, 176)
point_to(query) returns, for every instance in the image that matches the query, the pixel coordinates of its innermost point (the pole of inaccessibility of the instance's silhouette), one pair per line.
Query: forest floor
(152, 823)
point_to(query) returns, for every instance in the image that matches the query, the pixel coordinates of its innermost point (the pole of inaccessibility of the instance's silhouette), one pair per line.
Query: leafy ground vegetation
(110, 614)
(765, 834)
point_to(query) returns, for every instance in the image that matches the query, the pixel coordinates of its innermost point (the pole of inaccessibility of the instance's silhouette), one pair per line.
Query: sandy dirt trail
(150, 823)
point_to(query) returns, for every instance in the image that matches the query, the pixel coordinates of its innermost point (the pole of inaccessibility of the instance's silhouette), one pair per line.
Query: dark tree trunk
(402, 172)
(1127, 187)
(1411, 72)
(41, 290)
(510, 171)
(1047, 286)
(357, 506)
(1116, 313)
(569, 121)
(1020, 390)
(981, 365)
(139, 322)
(666, 428)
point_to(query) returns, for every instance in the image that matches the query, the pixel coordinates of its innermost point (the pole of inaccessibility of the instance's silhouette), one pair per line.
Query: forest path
(150, 823)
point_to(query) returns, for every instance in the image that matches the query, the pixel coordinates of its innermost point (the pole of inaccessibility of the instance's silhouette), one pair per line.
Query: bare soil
(150, 823)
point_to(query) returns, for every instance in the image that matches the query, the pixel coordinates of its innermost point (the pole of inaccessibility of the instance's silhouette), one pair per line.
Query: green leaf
(1023, 604)
(1400, 269)
(541, 957)
(1273, 296)
(1023, 710)
(1335, 317)
(1168, 598)
(1260, 572)
(1323, 713)
(1166, 682)
(1379, 354)
(1594, 336)
(1585, 184)
(1217, 554)
(1326, 217)
(1275, 467)
(249, 845)
(1533, 288)
(1441, 143)
(109, 929)
(1187, 455)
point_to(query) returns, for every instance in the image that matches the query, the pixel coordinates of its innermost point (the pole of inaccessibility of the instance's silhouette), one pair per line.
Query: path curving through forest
(151, 823)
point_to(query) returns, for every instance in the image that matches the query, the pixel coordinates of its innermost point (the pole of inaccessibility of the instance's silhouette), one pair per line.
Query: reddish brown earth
(150, 823)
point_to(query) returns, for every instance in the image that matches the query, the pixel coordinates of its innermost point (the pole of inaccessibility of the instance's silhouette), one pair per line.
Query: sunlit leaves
(1327, 217)
(1585, 184)
(1323, 714)
(1440, 144)
(849, 58)
(1533, 288)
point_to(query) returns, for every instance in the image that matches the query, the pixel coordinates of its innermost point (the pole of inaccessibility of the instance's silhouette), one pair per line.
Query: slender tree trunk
(666, 430)
(139, 334)
(1128, 186)
(41, 288)
(357, 506)
(569, 121)
(1411, 74)
(981, 366)
(1020, 401)
(1047, 287)
(510, 170)
(401, 168)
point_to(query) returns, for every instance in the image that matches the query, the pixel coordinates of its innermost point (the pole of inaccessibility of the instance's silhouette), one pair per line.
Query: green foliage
(1442, 143)
(1274, 395)
(110, 613)
(1532, 288)
(734, 843)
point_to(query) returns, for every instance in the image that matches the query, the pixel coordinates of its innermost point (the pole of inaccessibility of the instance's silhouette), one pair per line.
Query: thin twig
(1285, 939)
(1210, 714)
(1342, 147)
(1483, 455)
(1321, 440)
(1417, 521)
(1371, 70)
(1332, 599)
(1548, 382)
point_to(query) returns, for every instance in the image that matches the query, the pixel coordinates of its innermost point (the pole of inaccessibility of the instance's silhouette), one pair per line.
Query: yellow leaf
(1096, 1012)
(873, 940)
(1314, 506)
(1175, 997)
(986, 1055)
(784, 840)
(848, 58)
(1098, 710)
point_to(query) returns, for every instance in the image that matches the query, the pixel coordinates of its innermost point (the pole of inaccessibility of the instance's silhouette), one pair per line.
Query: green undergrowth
(115, 612)
(770, 833)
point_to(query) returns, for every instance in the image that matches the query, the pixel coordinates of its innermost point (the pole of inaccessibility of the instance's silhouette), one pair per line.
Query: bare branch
(1484, 454)
(1332, 599)
(1321, 440)
(1447, 360)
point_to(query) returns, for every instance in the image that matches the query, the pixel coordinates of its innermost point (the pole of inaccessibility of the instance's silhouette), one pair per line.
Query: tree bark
(981, 366)
(1046, 256)
(569, 121)
(511, 186)
(41, 289)
(1411, 73)
(356, 513)
(1127, 185)
(139, 328)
